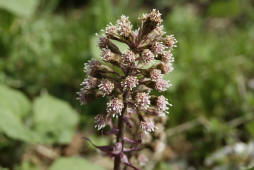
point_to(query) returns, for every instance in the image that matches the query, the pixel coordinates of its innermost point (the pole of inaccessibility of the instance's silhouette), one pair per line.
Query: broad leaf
(14, 101)
(13, 107)
(12, 126)
(54, 119)
(74, 164)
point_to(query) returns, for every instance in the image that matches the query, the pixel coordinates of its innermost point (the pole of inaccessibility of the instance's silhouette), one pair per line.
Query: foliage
(44, 117)
(14, 105)
(43, 48)
(73, 163)
(14, 101)
(48, 112)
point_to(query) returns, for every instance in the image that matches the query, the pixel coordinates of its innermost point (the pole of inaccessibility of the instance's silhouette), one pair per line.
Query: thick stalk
(117, 161)
(120, 135)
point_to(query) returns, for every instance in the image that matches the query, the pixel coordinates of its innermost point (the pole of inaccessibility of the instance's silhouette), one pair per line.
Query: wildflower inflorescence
(129, 83)
(106, 87)
(126, 79)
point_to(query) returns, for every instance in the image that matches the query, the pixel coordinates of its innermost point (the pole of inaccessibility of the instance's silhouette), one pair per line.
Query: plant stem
(117, 161)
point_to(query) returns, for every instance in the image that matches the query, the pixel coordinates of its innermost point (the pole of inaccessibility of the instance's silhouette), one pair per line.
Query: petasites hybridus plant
(128, 79)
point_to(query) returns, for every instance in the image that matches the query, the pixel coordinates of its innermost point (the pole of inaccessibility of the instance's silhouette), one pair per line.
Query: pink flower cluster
(128, 79)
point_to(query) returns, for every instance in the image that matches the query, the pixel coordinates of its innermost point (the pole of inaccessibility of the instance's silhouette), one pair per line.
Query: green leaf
(54, 119)
(74, 164)
(13, 107)
(95, 50)
(14, 101)
(12, 126)
(22, 8)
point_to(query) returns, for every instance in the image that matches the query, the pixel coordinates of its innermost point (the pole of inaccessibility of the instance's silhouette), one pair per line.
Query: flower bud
(165, 67)
(101, 120)
(91, 66)
(167, 57)
(115, 107)
(155, 16)
(148, 125)
(155, 75)
(124, 26)
(89, 83)
(106, 55)
(106, 87)
(128, 58)
(147, 56)
(143, 100)
(170, 41)
(110, 30)
(162, 85)
(103, 42)
(158, 48)
(150, 21)
(129, 83)
(162, 104)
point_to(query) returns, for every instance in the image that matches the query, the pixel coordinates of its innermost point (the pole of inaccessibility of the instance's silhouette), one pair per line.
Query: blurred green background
(44, 43)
